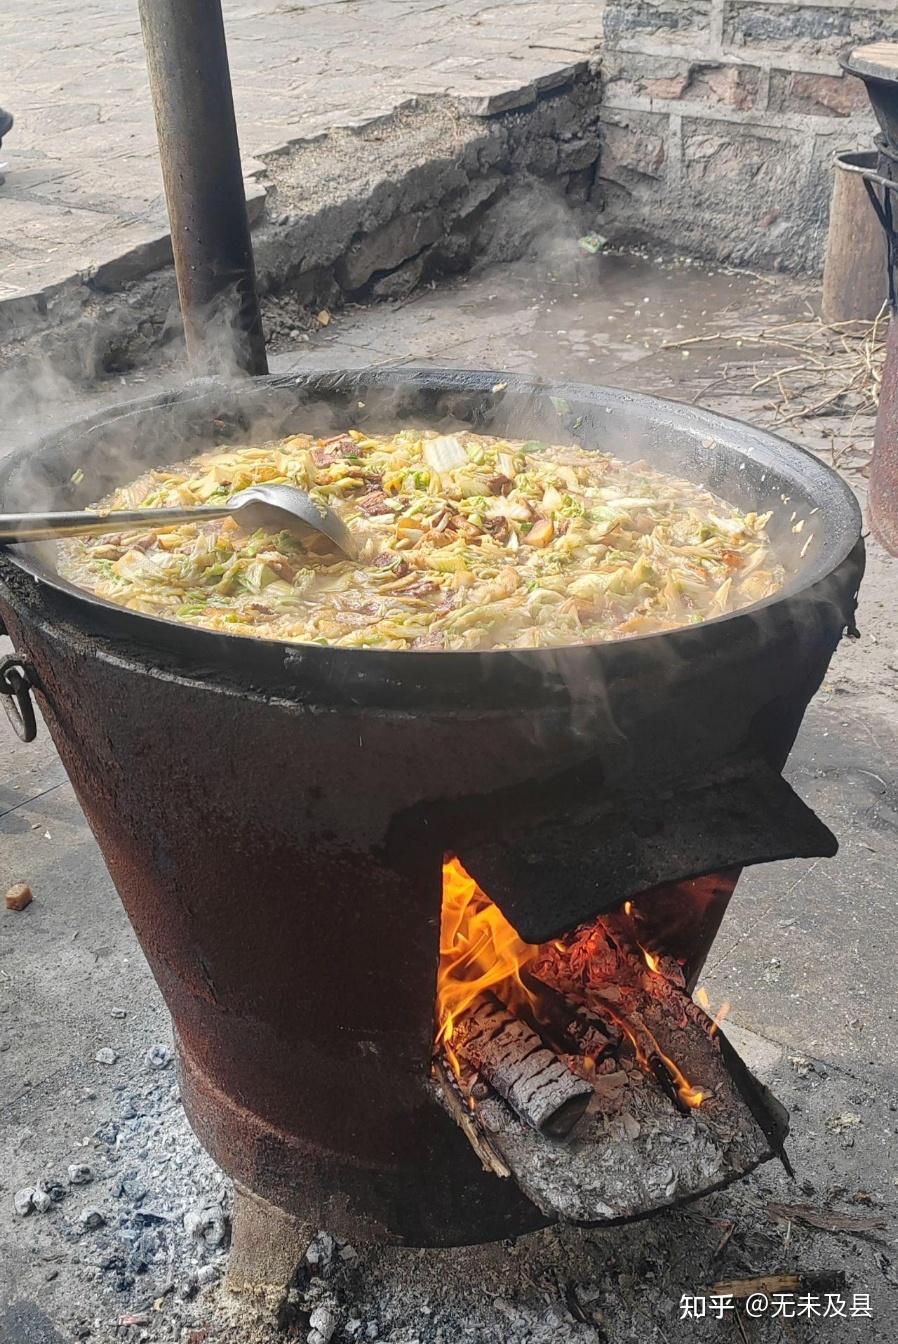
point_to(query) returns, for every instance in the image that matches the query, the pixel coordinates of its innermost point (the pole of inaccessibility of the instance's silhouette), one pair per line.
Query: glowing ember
(480, 952)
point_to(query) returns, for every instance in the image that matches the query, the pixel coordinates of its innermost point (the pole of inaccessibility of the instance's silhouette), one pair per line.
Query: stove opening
(583, 1068)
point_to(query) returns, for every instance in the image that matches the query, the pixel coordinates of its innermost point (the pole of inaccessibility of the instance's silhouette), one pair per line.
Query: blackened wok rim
(831, 494)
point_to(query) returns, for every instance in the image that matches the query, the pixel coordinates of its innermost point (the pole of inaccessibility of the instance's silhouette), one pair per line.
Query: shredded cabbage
(465, 542)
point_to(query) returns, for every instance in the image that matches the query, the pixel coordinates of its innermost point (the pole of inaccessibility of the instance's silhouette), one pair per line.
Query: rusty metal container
(275, 817)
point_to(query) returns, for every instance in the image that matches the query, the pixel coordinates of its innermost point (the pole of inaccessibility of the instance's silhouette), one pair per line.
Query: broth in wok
(465, 542)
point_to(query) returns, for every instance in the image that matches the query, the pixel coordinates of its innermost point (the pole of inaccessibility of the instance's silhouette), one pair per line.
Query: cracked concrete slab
(83, 195)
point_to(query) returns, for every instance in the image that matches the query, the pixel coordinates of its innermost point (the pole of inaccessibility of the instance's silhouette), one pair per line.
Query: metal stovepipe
(190, 82)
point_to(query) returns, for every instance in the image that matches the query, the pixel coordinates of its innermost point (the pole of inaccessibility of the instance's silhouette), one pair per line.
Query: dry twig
(491, 1160)
(768, 1284)
(832, 370)
(824, 1220)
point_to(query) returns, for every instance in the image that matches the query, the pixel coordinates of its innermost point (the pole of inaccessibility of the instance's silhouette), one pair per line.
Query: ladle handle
(52, 526)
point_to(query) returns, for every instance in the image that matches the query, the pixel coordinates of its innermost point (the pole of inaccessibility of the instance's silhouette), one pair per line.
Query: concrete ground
(83, 186)
(805, 956)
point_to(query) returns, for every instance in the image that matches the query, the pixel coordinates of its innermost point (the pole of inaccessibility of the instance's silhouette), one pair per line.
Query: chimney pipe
(190, 81)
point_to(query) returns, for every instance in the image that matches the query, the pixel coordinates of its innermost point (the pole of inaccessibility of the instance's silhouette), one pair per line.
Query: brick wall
(721, 118)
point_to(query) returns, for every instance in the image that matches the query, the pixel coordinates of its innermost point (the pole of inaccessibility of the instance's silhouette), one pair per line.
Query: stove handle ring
(15, 688)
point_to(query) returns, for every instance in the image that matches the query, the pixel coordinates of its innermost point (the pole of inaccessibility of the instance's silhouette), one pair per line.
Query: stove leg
(267, 1246)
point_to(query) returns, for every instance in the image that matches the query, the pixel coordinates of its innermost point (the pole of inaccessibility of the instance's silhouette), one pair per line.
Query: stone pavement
(83, 184)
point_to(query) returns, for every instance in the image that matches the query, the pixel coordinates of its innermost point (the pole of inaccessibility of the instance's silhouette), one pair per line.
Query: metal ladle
(272, 507)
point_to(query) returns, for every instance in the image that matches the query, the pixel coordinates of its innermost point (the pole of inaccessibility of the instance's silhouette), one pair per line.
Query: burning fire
(690, 1096)
(703, 1000)
(480, 951)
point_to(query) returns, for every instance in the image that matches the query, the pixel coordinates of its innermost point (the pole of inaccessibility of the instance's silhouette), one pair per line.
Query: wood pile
(613, 1095)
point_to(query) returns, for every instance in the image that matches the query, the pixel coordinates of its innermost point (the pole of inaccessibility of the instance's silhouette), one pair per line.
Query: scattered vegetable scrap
(592, 243)
(840, 1123)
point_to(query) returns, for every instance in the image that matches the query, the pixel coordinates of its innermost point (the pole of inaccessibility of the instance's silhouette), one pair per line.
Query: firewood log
(568, 1026)
(530, 1077)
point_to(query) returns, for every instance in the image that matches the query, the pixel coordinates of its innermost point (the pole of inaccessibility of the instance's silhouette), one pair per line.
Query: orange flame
(689, 1095)
(479, 950)
(703, 1000)
(721, 1013)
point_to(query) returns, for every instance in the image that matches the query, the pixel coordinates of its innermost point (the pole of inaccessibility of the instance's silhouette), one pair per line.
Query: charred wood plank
(531, 1078)
(567, 1026)
(634, 1151)
(667, 1083)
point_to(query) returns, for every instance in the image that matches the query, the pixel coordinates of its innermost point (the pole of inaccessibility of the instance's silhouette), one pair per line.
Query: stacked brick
(721, 119)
